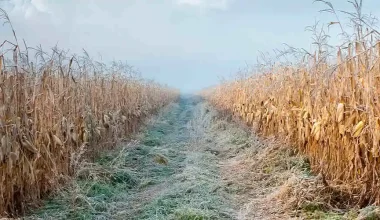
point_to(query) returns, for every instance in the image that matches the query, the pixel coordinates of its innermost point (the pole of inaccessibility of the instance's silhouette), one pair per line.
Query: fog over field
(190, 109)
(188, 44)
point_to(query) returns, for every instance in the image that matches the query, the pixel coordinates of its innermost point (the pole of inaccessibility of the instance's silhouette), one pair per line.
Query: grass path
(171, 172)
(188, 164)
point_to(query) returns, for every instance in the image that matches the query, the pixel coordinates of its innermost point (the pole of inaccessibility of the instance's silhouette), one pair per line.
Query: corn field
(57, 110)
(330, 112)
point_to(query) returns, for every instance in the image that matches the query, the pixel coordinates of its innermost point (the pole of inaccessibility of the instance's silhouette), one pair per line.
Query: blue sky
(187, 44)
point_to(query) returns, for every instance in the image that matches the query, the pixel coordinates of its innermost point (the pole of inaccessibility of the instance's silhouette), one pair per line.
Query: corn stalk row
(56, 113)
(330, 112)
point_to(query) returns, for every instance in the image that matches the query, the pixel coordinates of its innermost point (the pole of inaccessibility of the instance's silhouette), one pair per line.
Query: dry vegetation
(325, 106)
(56, 109)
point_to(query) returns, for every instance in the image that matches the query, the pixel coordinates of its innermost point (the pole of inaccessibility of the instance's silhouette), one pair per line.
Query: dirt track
(187, 164)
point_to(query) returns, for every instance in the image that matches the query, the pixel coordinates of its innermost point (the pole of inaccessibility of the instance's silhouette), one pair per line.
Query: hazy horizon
(187, 44)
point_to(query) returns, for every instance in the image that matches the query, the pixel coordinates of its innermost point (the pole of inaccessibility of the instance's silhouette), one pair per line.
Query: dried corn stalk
(335, 117)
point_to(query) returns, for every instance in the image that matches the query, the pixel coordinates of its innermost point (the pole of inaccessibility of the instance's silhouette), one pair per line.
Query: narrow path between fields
(188, 164)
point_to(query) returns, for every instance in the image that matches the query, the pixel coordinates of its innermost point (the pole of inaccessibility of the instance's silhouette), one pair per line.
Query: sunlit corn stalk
(335, 120)
(61, 112)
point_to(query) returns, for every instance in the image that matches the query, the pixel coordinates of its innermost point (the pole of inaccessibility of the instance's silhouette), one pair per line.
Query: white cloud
(28, 8)
(40, 5)
(205, 4)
